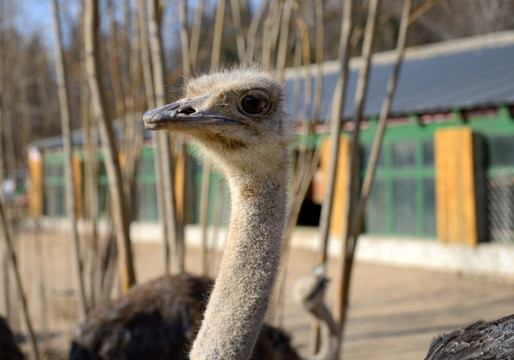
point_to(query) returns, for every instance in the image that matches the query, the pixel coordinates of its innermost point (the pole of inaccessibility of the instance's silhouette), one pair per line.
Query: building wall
(404, 202)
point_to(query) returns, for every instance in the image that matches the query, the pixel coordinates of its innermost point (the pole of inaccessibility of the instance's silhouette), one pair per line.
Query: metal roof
(461, 74)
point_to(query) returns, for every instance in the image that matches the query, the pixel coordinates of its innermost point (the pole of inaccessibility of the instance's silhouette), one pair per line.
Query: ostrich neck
(240, 296)
(329, 334)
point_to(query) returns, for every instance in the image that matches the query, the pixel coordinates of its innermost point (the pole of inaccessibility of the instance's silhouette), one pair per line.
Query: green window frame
(402, 200)
(54, 199)
(497, 133)
(145, 192)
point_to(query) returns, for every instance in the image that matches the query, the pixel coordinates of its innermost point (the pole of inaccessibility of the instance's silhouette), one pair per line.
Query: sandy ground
(394, 311)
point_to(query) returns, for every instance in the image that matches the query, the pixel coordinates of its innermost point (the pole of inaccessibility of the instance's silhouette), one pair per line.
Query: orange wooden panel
(77, 186)
(338, 218)
(455, 187)
(36, 187)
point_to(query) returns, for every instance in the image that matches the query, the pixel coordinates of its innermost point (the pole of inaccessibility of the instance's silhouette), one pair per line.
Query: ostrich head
(309, 289)
(236, 117)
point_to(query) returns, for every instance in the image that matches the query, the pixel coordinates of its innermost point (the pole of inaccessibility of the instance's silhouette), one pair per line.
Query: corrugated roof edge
(491, 40)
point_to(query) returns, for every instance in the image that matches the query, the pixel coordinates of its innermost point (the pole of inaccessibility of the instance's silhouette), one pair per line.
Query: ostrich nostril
(186, 111)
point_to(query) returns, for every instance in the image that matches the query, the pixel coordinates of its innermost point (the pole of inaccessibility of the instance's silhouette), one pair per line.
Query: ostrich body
(158, 320)
(9, 350)
(479, 341)
(237, 120)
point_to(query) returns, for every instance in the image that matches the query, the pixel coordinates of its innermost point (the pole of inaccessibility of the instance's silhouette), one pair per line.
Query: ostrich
(9, 350)
(237, 120)
(479, 341)
(159, 320)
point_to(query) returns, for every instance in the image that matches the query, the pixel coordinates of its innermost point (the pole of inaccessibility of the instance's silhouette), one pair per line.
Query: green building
(446, 170)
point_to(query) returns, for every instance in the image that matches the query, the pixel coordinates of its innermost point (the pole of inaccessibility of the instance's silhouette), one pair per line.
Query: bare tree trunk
(195, 32)
(238, 28)
(7, 234)
(92, 64)
(113, 51)
(90, 130)
(271, 31)
(156, 138)
(320, 47)
(382, 121)
(184, 37)
(68, 167)
(218, 35)
(284, 37)
(335, 135)
(355, 227)
(167, 163)
(9, 107)
(252, 30)
(206, 171)
(369, 36)
(335, 126)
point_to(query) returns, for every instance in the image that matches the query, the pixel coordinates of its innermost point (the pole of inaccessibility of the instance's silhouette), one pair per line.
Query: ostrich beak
(186, 112)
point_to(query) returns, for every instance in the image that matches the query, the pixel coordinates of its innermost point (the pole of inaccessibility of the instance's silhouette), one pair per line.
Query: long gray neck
(329, 334)
(240, 296)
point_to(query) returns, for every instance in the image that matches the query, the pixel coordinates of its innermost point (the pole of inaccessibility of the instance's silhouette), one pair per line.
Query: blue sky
(35, 17)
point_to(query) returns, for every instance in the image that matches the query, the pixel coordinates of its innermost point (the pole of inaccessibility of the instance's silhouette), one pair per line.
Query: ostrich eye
(253, 105)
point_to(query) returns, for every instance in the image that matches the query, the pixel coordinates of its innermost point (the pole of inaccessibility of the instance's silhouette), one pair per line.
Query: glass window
(429, 197)
(103, 191)
(428, 153)
(501, 150)
(146, 202)
(101, 168)
(54, 200)
(404, 154)
(366, 151)
(146, 166)
(405, 206)
(376, 216)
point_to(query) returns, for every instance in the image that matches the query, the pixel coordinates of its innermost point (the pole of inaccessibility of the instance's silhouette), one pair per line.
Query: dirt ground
(394, 311)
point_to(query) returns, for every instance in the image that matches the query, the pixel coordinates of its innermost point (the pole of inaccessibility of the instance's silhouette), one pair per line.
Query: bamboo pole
(356, 226)
(184, 164)
(184, 37)
(284, 37)
(98, 100)
(382, 121)
(320, 47)
(341, 303)
(306, 163)
(206, 171)
(252, 30)
(167, 162)
(238, 28)
(71, 207)
(335, 127)
(195, 32)
(156, 138)
(218, 35)
(7, 234)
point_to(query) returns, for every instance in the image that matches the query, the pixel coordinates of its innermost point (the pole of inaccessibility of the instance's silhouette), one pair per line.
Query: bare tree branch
(7, 235)
(98, 100)
(68, 167)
